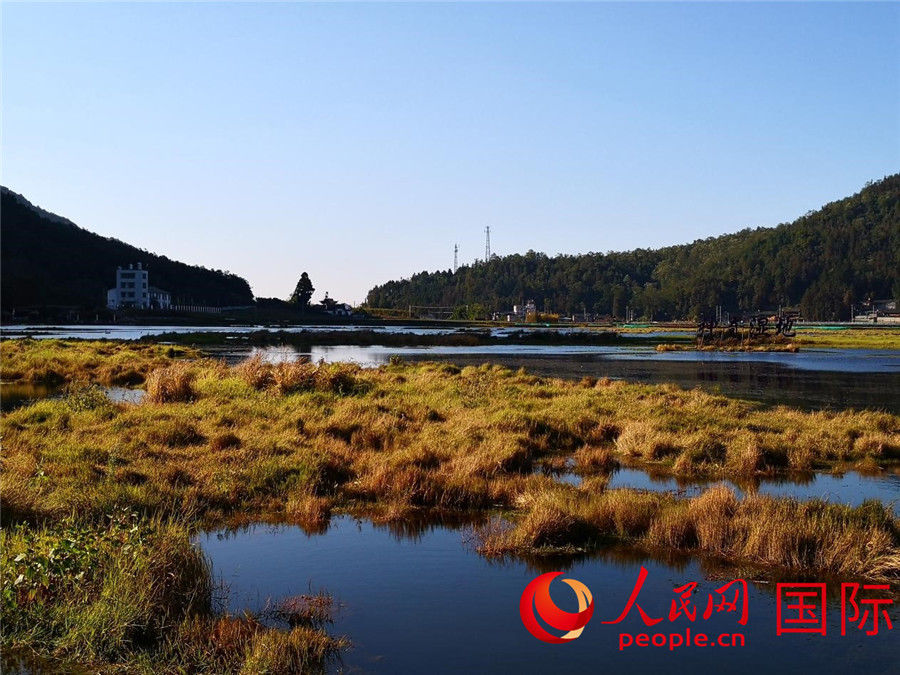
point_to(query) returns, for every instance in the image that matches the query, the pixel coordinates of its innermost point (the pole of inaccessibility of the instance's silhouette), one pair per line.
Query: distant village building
(133, 290)
(877, 311)
(160, 299)
(335, 308)
(519, 313)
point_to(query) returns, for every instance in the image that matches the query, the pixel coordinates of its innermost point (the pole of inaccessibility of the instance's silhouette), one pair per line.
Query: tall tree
(302, 291)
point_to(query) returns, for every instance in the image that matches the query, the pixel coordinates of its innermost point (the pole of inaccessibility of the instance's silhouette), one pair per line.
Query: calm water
(858, 361)
(14, 396)
(425, 601)
(124, 332)
(850, 488)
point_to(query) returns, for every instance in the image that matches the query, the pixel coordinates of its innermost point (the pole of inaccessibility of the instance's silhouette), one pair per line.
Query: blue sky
(359, 142)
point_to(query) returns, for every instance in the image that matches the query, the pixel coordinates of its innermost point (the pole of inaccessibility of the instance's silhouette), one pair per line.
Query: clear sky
(359, 142)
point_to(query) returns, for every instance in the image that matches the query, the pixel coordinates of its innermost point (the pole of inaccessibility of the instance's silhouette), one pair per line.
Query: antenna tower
(487, 243)
(455, 257)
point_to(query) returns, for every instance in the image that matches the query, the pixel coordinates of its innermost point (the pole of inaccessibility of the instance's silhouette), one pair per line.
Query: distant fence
(203, 309)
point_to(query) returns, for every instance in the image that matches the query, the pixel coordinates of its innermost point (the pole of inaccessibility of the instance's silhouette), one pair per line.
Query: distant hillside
(48, 260)
(841, 254)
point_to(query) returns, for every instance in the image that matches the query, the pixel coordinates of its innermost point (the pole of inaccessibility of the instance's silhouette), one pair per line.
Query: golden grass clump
(299, 650)
(624, 513)
(312, 513)
(775, 533)
(673, 528)
(225, 441)
(645, 440)
(99, 362)
(255, 371)
(711, 514)
(745, 456)
(172, 384)
(290, 377)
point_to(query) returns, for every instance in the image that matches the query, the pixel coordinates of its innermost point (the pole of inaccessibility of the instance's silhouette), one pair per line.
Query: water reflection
(849, 488)
(14, 395)
(818, 360)
(414, 525)
(431, 602)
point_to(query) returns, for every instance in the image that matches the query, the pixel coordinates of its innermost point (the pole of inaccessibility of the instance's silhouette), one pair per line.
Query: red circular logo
(536, 602)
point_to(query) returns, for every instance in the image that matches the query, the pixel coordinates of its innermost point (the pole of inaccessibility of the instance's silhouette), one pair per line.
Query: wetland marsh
(470, 466)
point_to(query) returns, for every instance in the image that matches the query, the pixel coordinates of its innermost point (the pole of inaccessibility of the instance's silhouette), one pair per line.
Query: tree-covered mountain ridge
(48, 260)
(824, 262)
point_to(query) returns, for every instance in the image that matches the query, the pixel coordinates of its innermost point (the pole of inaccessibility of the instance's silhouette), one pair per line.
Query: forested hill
(48, 260)
(843, 253)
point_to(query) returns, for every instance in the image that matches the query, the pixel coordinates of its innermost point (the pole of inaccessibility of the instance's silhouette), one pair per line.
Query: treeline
(845, 253)
(49, 261)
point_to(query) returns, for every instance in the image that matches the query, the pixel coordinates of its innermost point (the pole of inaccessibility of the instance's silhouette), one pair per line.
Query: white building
(160, 299)
(133, 290)
(518, 313)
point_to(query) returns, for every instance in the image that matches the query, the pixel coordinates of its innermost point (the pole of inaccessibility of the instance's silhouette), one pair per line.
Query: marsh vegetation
(54, 362)
(298, 442)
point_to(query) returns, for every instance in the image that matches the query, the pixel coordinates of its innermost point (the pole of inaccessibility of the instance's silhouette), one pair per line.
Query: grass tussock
(299, 650)
(97, 362)
(291, 377)
(777, 533)
(172, 384)
(593, 459)
(312, 513)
